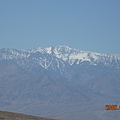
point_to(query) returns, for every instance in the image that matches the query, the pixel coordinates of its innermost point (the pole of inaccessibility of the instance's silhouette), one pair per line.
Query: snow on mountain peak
(63, 53)
(71, 55)
(42, 50)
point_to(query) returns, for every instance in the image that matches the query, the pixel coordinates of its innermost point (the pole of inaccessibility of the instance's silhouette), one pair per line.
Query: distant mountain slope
(4, 115)
(57, 82)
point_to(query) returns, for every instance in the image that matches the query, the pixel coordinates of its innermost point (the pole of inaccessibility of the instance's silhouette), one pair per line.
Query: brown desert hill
(4, 115)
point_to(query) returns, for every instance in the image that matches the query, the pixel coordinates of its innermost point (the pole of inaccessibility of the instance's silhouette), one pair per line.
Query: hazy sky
(92, 25)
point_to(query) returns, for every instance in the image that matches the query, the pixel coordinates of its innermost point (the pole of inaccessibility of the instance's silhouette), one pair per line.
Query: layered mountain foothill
(60, 82)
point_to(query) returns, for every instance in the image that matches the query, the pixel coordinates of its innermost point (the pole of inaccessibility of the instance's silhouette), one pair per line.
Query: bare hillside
(15, 116)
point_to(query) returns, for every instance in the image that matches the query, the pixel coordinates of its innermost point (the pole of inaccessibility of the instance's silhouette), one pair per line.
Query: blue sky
(91, 25)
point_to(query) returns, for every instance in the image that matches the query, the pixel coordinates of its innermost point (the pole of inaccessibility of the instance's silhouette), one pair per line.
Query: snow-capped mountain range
(61, 54)
(59, 82)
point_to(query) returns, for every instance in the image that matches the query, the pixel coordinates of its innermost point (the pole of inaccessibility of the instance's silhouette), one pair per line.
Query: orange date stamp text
(112, 107)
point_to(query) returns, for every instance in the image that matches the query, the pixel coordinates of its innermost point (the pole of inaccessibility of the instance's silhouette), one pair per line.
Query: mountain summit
(61, 54)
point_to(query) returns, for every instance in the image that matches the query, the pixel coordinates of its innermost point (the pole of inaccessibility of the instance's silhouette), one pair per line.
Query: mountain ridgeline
(59, 82)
